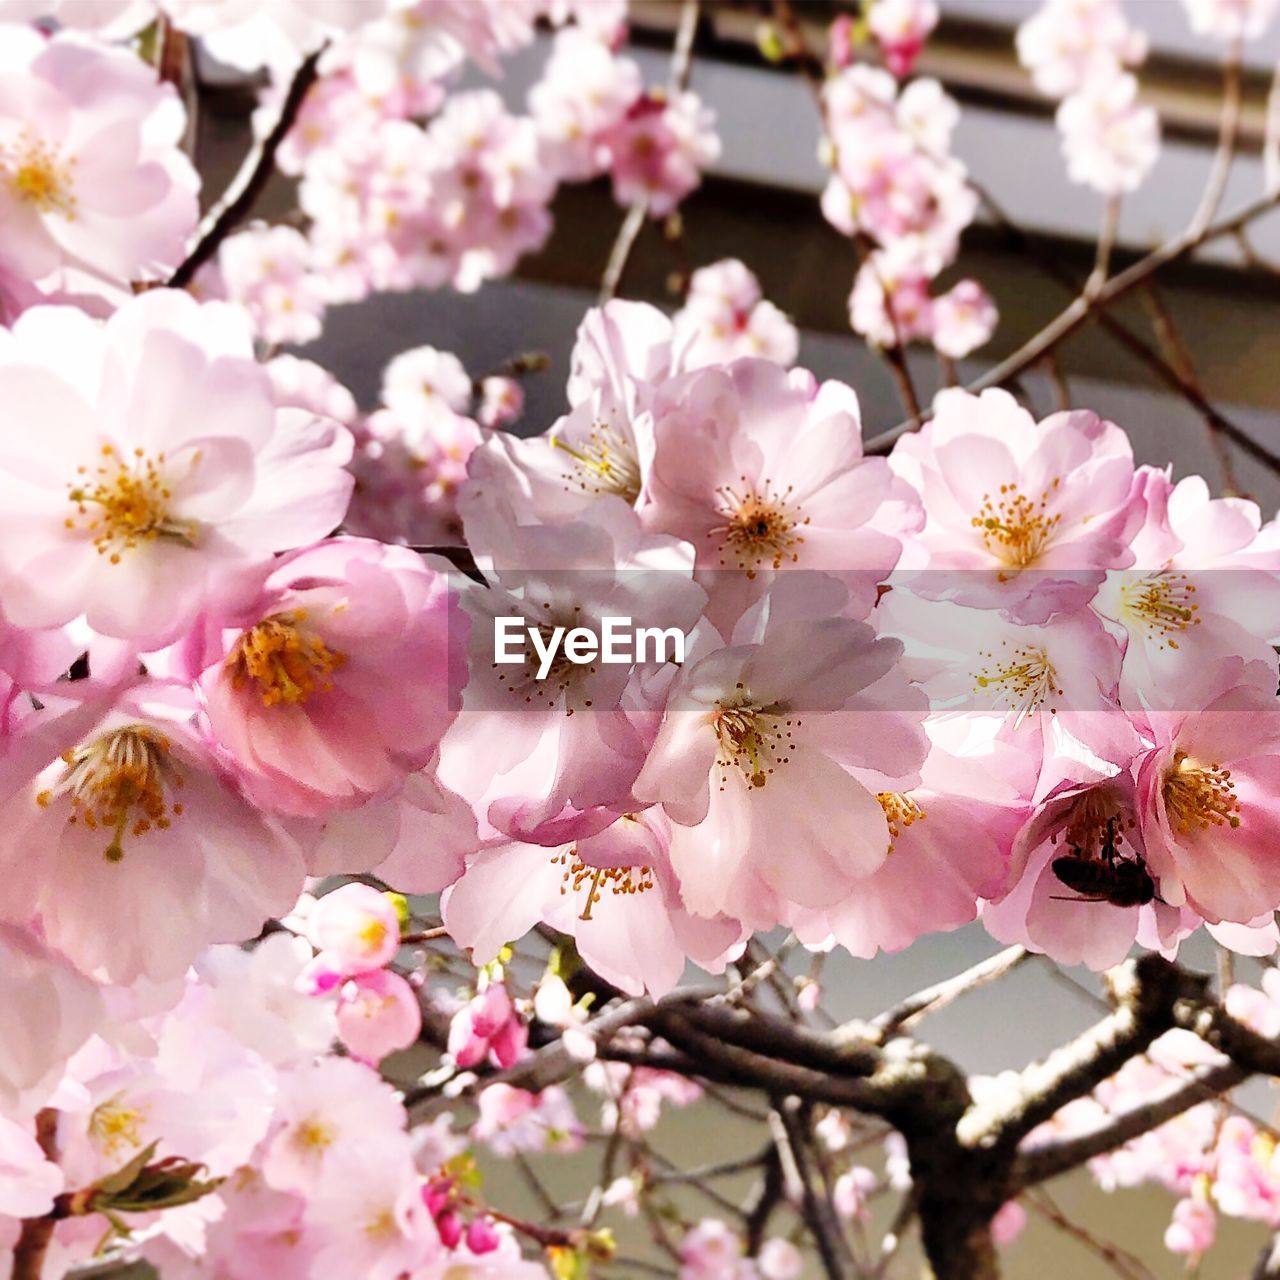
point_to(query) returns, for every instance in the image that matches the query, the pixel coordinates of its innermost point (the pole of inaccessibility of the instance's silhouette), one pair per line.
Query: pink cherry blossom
(123, 837)
(658, 152)
(272, 33)
(1206, 792)
(1066, 44)
(58, 1009)
(356, 927)
(325, 1110)
(1111, 141)
(603, 448)
(964, 318)
(726, 316)
(549, 760)
(268, 272)
(92, 175)
(161, 472)
(778, 481)
(711, 1250)
(1230, 19)
(516, 1120)
(1018, 515)
(378, 1015)
(751, 736)
(348, 633)
(488, 1027)
(614, 893)
(901, 27)
(1193, 1229)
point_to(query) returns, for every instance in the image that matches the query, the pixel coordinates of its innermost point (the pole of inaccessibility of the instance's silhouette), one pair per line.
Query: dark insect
(1105, 876)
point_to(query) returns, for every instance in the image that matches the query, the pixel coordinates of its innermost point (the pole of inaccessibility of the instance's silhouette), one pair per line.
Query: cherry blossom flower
(603, 448)
(268, 271)
(162, 471)
(1230, 19)
(950, 844)
(658, 151)
(551, 758)
(750, 737)
(1206, 792)
(901, 27)
(1110, 140)
(378, 1015)
(1067, 44)
(120, 833)
(514, 1120)
(725, 316)
(1018, 515)
(273, 33)
(488, 1027)
(59, 1008)
(964, 318)
(107, 19)
(356, 928)
(778, 481)
(325, 1110)
(584, 95)
(287, 691)
(614, 893)
(92, 175)
(711, 1250)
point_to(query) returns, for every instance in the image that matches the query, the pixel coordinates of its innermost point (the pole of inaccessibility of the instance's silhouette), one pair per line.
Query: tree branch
(248, 185)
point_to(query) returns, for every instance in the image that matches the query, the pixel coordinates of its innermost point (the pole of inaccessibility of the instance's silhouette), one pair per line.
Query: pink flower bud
(378, 1015)
(482, 1236)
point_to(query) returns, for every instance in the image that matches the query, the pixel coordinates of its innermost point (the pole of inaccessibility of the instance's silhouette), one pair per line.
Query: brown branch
(248, 185)
(1145, 993)
(37, 1233)
(793, 1135)
(1268, 1265)
(931, 999)
(1084, 309)
(1047, 1160)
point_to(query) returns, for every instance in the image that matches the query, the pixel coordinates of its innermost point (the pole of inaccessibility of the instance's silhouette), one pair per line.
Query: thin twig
(1119, 1260)
(893, 1021)
(250, 182)
(1228, 132)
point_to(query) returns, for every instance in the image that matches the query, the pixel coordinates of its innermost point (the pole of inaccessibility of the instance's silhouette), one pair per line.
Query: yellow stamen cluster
(604, 463)
(1199, 796)
(36, 175)
(117, 783)
(313, 1136)
(760, 527)
(1162, 603)
(1021, 679)
(1096, 825)
(124, 503)
(753, 740)
(115, 1126)
(1016, 528)
(900, 811)
(287, 662)
(620, 881)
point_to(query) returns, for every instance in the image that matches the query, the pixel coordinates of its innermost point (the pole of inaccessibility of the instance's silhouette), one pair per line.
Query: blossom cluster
(1079, 52)
(897, 189)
